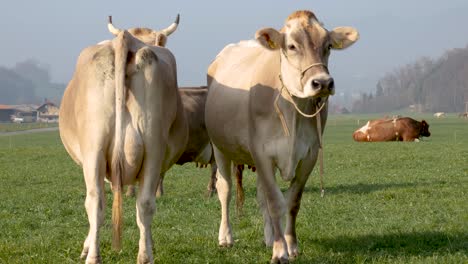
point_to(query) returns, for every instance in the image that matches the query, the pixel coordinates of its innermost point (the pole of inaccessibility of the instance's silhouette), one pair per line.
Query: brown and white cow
(122, 119)
(398, 129)
(257, 90)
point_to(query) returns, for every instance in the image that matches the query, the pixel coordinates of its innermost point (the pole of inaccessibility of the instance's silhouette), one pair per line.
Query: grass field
(10, 127)
(384, 203)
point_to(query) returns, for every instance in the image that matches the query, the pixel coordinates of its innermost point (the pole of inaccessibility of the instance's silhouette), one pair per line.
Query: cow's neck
(303, 133)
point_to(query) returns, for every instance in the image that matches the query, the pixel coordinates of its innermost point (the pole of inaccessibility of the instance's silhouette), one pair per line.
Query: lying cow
(439, 114)
(399, 129)
(463, 115)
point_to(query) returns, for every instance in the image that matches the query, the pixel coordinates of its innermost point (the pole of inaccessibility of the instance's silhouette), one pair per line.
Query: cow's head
(146, 35)
(305, 46)
(424, 129)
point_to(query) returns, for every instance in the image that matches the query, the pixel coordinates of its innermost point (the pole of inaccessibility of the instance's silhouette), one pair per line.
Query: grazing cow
(400, 129)
(439, 114)
(463, 115)
(258, 94)
(122, 119)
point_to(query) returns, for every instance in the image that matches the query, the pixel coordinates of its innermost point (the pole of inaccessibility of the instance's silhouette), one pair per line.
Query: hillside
(426, 86)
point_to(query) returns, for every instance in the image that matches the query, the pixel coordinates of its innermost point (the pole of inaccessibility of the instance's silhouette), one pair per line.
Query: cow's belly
(226, 122)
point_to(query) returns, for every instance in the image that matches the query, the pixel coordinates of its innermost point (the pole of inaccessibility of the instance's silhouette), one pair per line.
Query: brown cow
(398, 129)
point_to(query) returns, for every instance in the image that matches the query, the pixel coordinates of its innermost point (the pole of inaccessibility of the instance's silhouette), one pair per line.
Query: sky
(393, 33)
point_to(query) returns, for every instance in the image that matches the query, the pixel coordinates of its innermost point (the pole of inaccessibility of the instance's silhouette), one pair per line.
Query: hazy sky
(393, 33)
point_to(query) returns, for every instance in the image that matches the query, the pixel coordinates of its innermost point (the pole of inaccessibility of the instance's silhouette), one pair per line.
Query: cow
(198, 148)
(260, 95)
(399, 129)
(121, 118)
(463, 115)
(439, 114)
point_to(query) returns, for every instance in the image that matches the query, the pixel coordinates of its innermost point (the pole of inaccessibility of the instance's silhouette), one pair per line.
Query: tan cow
(122, 119)
(198, 148)
(397, 129)
(257, 91)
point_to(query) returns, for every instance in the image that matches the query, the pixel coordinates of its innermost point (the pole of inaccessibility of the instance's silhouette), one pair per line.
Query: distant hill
(426, 86)
(28, 82)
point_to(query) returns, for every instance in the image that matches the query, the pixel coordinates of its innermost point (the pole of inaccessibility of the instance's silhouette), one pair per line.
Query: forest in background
(426, 85)
(28, 82)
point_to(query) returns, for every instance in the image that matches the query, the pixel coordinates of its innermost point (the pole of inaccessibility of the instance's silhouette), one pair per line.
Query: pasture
(384, 203)
(10, 127)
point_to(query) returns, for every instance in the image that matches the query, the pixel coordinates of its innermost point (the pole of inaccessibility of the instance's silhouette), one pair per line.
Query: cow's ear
(269, 38)
(161, 40)
(343, 37)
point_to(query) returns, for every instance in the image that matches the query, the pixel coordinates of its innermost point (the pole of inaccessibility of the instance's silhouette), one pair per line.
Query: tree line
(28, 82)
(426, 85)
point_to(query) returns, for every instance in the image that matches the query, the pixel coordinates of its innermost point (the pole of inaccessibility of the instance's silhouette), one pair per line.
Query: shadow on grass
(414, 244)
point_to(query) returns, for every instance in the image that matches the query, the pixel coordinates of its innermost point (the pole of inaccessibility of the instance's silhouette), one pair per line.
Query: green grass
(10, 127)
(384, 203)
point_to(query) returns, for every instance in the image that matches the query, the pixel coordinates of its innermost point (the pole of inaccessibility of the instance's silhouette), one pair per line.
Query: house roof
(6, 107)
(48, 104)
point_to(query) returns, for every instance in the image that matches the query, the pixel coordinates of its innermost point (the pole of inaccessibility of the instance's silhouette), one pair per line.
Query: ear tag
(338, 45)
(271, 43)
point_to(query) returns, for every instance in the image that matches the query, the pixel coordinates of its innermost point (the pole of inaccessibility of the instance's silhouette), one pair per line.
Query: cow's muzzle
(320, 85)
(323, 85)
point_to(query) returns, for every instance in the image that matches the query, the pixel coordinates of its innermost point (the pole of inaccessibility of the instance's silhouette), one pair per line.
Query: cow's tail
(117, 169)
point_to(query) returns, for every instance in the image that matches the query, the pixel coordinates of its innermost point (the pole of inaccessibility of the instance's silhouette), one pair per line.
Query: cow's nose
(323, 84)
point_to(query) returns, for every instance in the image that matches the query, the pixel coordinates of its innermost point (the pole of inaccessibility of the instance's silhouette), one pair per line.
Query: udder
(133, 150)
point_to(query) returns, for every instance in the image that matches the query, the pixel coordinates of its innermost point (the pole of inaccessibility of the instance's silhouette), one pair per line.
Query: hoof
(283, 260)
(144, 260)
(225, 244)
(293, 255)
(94, 260)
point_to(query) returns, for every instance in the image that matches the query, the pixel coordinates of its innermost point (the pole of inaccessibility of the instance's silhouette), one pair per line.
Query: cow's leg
(94, 170)
(160, 188)
(294, 195)
(223, 187)
(240, 196)
(267, 227)
(130, 191)
(275, 206)
(146, 206)
(211, 189)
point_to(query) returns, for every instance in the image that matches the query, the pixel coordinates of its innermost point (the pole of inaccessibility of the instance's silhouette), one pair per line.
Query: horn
(170, 29)
(111, 27)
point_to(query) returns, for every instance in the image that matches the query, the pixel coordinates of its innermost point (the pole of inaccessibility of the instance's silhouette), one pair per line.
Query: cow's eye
(291, 47)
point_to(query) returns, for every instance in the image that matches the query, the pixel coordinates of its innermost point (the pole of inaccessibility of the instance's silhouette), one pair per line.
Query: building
(48, 112)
